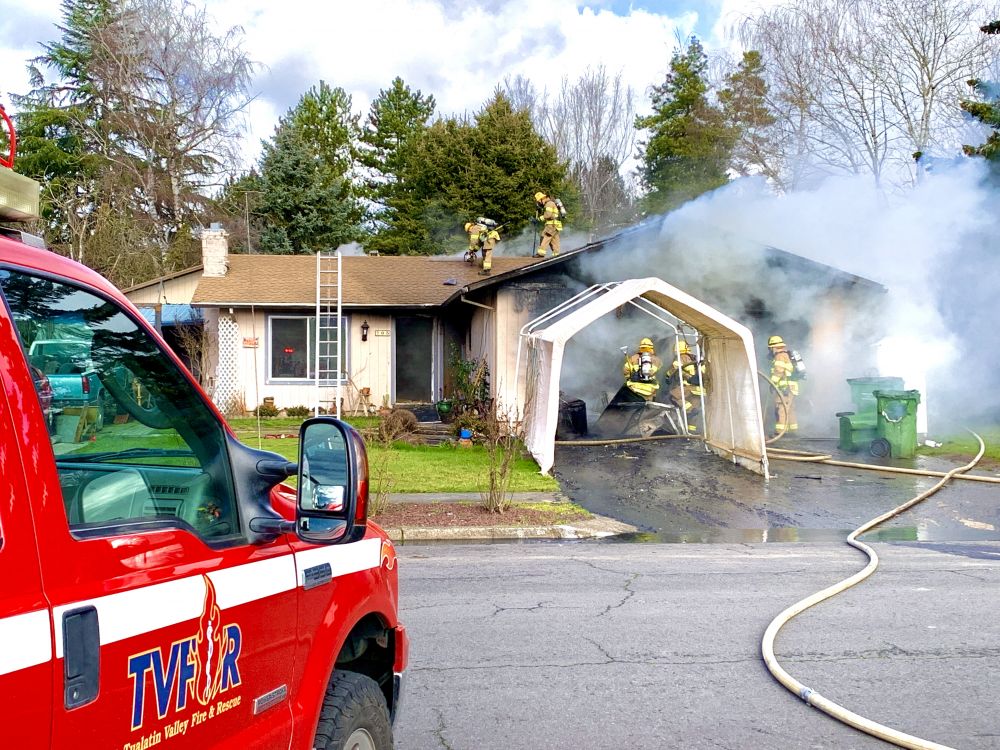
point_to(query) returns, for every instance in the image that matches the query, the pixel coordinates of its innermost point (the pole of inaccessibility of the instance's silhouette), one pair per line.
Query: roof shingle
(367, 280)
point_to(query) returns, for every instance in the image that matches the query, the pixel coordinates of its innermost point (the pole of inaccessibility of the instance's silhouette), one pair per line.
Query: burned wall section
(831, 317)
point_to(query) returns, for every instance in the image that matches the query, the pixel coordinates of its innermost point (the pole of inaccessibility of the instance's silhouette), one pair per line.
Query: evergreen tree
(56, 142)
(745, 109)
(327, 126)
(396, 119)
(237, 206)
(986, 109)
(458, 170)
(689, 142)
(308, 202)
(305, 205)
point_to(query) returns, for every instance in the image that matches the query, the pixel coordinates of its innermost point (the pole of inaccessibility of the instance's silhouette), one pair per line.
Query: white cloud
(458, 51)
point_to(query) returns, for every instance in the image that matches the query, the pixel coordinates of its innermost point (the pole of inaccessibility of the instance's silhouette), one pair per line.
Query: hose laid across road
(786, 454)
(809, 695)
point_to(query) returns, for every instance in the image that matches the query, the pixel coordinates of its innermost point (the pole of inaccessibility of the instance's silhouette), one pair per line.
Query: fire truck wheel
(354, 715)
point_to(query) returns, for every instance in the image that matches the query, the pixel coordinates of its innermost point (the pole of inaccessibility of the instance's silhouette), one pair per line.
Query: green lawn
(435, 468)
(963, 444)
(412, 468)
(287, 424)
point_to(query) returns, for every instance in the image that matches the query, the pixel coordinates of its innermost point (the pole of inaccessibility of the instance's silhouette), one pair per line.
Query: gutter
(477, 304)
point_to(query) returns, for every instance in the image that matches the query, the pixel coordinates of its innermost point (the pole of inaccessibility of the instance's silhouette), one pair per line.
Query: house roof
(410, 280)
(368, 281)
(773, 257)
(166, 277)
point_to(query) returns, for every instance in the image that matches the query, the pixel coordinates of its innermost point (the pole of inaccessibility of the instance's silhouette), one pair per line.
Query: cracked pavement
(587, 645)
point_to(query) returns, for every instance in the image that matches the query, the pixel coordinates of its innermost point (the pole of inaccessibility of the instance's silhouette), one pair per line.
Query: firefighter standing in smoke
(552, 213)
(483, 235)
(640, 371)
(782, 372)
(686, 369)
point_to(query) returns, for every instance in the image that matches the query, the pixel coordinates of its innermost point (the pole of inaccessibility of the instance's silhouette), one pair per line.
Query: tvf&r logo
(196, 668)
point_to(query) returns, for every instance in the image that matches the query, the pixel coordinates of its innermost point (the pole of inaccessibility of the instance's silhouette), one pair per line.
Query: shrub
(266, 410)
(397, 424)
(298, 411)
(236, 406)
(469, 420)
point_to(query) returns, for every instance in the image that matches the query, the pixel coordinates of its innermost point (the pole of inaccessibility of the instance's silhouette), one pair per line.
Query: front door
(414, 357)
(168, 624)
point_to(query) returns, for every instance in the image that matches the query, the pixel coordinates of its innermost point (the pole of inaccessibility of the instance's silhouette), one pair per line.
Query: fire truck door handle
(81, 656)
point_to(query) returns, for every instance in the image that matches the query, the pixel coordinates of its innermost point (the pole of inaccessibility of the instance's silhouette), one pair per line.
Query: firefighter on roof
(640, 371)
(782, 376)
(483, 236)
(685, 368)
(551, 215)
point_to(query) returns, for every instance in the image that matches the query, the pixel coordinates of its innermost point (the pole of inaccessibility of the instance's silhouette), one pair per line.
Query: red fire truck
(160, 583)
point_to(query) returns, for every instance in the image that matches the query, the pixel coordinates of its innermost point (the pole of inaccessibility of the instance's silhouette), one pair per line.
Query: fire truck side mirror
(332, 482)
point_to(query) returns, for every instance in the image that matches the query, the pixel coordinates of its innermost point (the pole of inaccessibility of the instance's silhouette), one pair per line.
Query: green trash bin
(858, 428)
(896, 423)
(863, 393)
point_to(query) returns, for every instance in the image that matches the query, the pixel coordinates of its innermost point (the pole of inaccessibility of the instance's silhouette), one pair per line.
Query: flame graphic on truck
(209, 649)
(198, 667)
(388, 554)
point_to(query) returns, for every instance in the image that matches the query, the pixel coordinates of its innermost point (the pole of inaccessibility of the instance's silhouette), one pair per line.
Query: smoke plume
(933, 248)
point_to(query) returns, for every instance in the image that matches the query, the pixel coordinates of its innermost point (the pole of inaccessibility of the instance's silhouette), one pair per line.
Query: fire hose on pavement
(809, 695)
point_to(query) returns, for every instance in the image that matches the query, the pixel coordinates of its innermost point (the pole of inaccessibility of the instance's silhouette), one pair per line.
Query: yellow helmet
(775, 341)
(539, 196)
(682, 346)
(468, 226)
(646, 345)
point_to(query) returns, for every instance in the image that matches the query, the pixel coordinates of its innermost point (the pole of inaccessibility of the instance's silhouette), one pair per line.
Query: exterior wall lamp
(364, 331)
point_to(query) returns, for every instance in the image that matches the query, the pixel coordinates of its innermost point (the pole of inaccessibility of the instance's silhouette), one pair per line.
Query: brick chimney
(214, 250)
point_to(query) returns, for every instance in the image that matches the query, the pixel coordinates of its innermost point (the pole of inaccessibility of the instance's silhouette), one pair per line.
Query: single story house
(403, 317)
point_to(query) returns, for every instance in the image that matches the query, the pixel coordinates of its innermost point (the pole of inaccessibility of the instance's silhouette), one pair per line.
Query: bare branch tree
(858, 86)
(925, 51)
(179, 90)
(591, 123)
(522, 94)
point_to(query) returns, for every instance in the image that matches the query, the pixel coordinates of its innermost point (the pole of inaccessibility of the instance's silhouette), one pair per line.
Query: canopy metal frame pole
(528, 328)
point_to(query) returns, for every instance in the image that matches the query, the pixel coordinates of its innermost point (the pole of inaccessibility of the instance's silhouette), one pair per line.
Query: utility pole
(246, 204)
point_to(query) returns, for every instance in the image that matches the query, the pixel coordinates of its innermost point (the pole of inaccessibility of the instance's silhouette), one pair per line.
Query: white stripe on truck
(343, 558)
(127, 614)
(26, 641)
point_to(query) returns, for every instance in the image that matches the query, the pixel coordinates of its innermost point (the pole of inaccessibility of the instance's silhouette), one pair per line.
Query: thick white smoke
(933, 247)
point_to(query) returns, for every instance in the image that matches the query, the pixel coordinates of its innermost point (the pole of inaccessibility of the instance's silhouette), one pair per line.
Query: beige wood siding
(177, 291)
(369, 363)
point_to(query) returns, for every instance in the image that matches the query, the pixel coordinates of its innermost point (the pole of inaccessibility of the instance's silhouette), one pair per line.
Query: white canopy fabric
(734, 427)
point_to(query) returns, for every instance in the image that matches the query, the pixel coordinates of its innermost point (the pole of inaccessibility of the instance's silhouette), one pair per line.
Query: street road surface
(610, 645)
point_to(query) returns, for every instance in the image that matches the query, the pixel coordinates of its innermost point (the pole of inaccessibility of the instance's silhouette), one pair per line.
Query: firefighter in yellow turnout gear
(782, 371)
(685, 368)
(483, 236)
(640, 371)
(551, 215)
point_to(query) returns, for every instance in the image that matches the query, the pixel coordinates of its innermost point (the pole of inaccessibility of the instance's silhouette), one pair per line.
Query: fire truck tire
(354, 715)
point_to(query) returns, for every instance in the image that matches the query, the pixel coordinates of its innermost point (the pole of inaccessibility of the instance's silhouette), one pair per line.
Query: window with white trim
(292, 348)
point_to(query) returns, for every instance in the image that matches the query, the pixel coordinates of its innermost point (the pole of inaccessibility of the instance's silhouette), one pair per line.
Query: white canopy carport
(734, 427)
